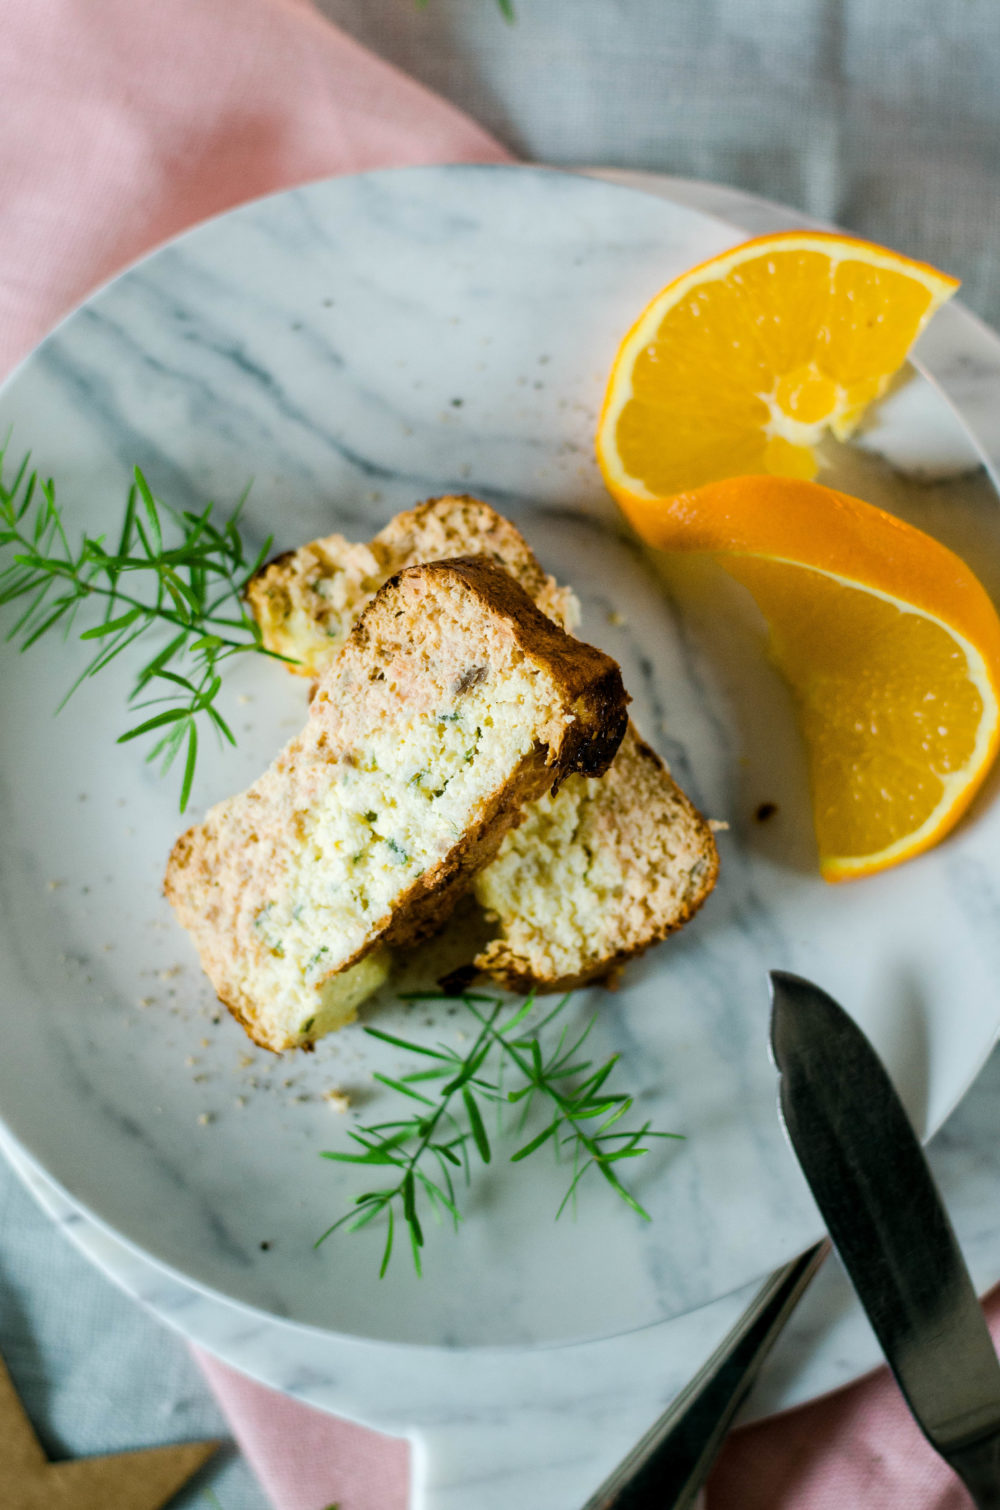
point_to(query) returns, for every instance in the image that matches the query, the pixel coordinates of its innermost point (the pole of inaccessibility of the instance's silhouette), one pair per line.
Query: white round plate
(355, 346)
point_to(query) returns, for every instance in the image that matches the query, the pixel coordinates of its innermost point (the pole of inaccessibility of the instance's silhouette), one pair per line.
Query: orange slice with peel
(742, 364)
(888, 641)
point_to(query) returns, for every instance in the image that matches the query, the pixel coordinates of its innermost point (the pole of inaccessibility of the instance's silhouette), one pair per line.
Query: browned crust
(502, 542)
(249, 1026)
(399, 544)
(501, 964)
(590, 681)
(185, 851)
(281, 559)
(510, 551)
(491, 537)
(434, 896)
(587, 681)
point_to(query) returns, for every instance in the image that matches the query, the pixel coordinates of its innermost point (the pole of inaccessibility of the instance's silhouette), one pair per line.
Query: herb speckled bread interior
(595, 874)
(451, 704)
(599, 870)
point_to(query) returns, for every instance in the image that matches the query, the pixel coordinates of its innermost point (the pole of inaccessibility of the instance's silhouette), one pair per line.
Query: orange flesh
(886, 706)
(891, 647)
(740, 365)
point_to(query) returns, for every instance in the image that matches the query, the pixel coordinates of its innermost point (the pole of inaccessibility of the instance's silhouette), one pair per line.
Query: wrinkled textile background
(880, 115)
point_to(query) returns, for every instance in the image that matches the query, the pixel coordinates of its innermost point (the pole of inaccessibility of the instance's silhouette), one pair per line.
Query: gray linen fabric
(97, 1373)
(880, 115)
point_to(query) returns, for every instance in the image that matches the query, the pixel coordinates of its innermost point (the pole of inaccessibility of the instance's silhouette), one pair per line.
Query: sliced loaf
(600, 869)
(306, 601)
(452, 703)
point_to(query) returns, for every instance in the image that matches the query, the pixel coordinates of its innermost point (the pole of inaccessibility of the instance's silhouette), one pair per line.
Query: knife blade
(870, 1179)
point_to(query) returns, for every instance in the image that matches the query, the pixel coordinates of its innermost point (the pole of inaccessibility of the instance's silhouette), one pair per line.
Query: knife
(667, 1467)
(868, 1174)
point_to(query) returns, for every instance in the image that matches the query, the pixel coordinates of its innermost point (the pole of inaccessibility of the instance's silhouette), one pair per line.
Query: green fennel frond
(431, 1149)
(181, 572)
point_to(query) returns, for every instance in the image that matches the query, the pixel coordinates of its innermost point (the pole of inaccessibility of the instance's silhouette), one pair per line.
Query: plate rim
(204, 1289)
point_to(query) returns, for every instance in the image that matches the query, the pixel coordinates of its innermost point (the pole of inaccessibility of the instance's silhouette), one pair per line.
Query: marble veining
(206, 365)
(540, 1428)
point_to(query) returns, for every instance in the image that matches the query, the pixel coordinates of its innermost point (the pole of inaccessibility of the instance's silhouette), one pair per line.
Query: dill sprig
(174, 570)
(432, 1148)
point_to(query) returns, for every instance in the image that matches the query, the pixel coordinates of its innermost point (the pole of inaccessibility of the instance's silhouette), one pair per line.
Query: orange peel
(889, 643)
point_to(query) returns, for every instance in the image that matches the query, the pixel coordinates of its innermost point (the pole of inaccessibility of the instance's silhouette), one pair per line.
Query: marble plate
(354, 346)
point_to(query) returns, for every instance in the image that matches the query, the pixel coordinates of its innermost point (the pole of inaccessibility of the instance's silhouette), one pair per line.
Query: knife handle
(666, 1468)
(978, 1466)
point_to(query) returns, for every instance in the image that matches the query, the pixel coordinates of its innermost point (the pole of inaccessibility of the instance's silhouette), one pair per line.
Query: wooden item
(145, 1480)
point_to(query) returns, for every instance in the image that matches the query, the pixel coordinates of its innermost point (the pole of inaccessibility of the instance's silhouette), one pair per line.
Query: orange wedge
(888, 641)
(741, 364)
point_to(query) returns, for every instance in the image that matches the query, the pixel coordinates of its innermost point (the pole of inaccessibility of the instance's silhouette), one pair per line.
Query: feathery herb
(173, 570)
(431, 1148)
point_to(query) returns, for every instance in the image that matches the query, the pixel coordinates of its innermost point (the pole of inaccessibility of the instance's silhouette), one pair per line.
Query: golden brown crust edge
(587, 679)
(183, 850)
(439, 528)
(404, 525)
(590, 681)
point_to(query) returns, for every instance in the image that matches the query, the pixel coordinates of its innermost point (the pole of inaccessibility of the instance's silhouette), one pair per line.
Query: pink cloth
(857, 1448)
(306, 1459)
(123, 123)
